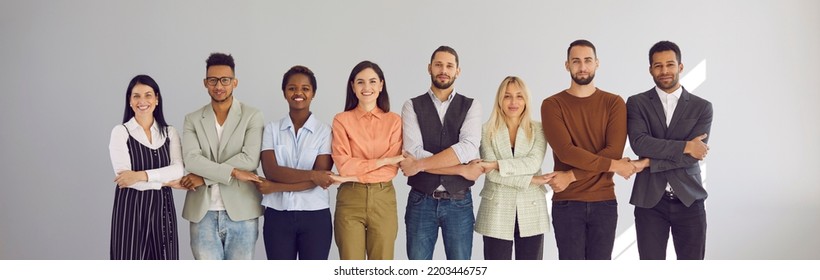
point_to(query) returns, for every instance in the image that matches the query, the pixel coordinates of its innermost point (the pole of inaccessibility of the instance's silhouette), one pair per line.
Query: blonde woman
(513, 209)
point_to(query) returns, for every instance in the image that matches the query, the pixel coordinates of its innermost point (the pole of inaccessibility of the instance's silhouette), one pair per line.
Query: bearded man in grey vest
(441, 136)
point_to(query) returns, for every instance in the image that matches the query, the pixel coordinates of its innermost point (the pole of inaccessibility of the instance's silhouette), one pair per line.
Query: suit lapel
(502, 140)
(230, 124)
(208, 124)
(679, 109)
(658, 107)
(521, 143)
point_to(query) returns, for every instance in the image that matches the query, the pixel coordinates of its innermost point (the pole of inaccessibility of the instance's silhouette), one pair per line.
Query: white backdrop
(66, 64)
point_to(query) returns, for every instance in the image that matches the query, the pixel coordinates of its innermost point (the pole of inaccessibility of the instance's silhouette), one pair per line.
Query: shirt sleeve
(470, 135)
(411, 137)
(325, 139)
(267, 137)
(342, 153)
(121, 159)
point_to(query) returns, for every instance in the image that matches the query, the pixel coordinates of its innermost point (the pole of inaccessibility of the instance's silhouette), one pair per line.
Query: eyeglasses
(225, 81)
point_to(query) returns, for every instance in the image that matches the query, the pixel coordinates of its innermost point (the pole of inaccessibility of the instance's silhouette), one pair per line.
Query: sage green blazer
(204, 155)
(508, 191)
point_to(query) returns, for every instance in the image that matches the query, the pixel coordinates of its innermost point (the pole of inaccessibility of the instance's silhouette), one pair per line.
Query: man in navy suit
(667, 128)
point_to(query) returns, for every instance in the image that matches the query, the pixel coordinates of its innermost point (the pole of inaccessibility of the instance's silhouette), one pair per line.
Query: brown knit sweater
(585, 134)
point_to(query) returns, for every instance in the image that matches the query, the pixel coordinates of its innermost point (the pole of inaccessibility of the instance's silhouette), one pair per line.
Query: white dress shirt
(669, 102)
(121, 160)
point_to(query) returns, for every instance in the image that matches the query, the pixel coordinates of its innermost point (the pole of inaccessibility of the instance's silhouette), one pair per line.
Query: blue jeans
(426, 214)
(585, 230)
(217, 237)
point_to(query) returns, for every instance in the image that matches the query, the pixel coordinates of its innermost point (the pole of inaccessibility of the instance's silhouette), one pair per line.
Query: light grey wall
(65, 67)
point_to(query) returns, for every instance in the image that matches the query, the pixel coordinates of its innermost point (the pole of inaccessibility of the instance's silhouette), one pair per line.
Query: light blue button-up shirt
(299, 151)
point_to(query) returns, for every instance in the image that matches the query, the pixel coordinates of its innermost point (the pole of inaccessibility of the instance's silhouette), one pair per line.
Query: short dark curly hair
(299, 69)
(220, 59)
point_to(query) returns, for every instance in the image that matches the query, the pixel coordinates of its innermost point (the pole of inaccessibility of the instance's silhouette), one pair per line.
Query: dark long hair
(383, 101)
(158, 116)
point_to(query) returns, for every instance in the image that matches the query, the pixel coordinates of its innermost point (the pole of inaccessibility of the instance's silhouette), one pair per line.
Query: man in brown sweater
(586, 128)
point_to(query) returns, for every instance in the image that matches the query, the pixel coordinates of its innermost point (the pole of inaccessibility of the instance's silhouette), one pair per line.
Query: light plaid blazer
(508, 191)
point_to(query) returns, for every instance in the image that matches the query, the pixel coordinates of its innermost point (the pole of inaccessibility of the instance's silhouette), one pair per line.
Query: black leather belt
(447, 195)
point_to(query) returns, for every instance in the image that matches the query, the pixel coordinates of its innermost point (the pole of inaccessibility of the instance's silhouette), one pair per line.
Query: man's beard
(584, 81)
(440, 85)
(671, 85)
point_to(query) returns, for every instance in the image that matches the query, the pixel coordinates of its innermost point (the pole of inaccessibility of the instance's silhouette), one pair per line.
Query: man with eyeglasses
(220, 147)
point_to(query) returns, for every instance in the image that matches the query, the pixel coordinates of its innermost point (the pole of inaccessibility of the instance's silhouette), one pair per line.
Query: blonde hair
(498, 117)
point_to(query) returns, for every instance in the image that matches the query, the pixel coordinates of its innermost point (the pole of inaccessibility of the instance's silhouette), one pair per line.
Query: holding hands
(472, 170)
(409, 166)
(560, 180)
(191, 181)
(246, 176)
(322, 178)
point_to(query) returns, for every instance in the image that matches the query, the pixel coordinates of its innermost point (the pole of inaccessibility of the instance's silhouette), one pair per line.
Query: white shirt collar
(133, 125)
(435, 98)
(662, 94)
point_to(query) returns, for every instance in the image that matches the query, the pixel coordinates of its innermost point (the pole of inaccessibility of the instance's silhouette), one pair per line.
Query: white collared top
(121, 160)
(299, 151)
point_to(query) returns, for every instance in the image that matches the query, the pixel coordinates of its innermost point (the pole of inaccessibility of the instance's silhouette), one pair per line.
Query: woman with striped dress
(147, 160)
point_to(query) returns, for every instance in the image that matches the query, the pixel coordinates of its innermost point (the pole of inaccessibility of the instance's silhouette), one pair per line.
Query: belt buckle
(670, 195)
(440, 195)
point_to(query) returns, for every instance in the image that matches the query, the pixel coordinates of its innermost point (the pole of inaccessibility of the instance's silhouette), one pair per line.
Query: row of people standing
(438, 142)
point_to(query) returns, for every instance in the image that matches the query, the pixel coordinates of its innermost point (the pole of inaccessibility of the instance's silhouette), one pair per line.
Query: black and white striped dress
(144, 223)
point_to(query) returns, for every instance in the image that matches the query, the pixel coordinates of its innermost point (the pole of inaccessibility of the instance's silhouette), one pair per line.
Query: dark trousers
(585, 230)
(688, 226)
(303, 234)
(526, 248)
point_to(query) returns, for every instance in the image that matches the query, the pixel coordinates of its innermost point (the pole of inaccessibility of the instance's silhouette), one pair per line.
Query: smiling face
(665, 70)
(299, 92)
(513, 102)
(582, 64)
(217, 90)
(367, 86)
(143, 100)
(443, 70)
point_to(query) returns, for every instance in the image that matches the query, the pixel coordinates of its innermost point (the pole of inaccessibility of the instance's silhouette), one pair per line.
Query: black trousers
(585, 230)
(687, 224)
(305, 235)
(526, 248)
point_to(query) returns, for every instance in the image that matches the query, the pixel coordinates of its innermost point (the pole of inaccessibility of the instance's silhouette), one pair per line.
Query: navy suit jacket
(650, 138)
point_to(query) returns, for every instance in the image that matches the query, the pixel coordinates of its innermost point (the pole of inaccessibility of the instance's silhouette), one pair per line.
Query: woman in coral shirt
(366, 149)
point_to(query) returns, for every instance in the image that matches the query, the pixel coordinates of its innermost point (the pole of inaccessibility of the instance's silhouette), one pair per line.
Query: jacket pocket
(695, 169)
(488, 192)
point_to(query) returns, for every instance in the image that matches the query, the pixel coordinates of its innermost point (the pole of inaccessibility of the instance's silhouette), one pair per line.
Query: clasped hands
(191, 181)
